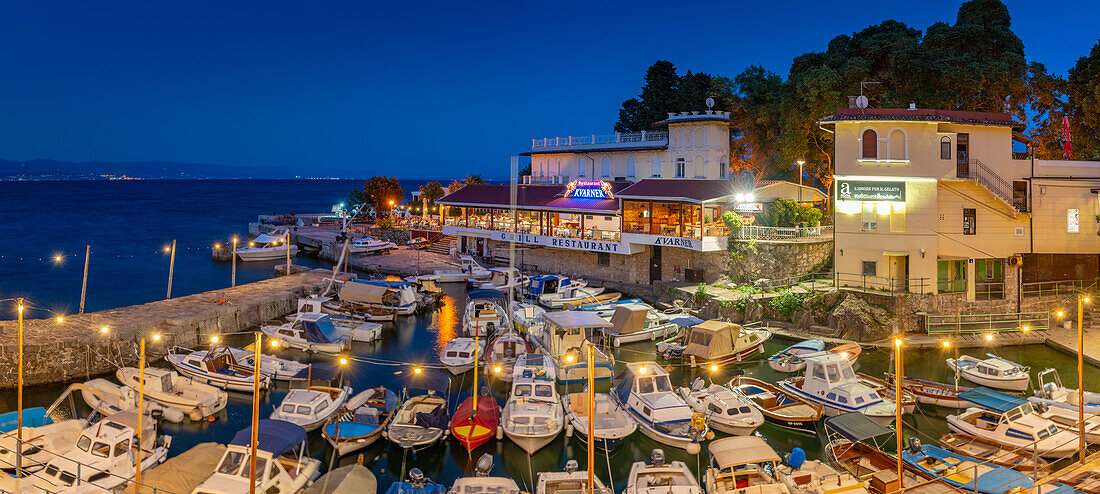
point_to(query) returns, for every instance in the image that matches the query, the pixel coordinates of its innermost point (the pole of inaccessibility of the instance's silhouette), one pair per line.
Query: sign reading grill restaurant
(562, 243)
(870, 190)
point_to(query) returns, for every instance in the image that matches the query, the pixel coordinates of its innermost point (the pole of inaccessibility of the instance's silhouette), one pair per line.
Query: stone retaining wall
(774, 259)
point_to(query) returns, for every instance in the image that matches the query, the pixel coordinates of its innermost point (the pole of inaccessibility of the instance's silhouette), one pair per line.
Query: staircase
(995, 184)
(443, 246)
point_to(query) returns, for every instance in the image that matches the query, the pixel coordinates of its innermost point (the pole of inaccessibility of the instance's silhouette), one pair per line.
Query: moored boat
(109, 398)
(485, 313)
(645, 391)
(658, 476)
(267, 247)
(569, 481)
(992, 452)
(725, 411)
(197, 400)
(316, 394)
(217, 367)
(963, 472)
(343, 480)
(611, 426)
(459, 354)
(421, 420)
(742, 464)
(778, 407)
(782, 361)
(715, 342)
(830, 382)
(632, 323)
(804, 476)
(855, 442)
(283, 464)
(1051, 392)
(933, 393)
(993, 372)
(563, 337)
(1012, 422)
(361, 421)
(309, 332)
(532, 416)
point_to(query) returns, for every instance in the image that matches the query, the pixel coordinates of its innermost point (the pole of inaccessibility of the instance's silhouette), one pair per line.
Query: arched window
(631, 164)
(581, 166)
(870, 144)
(680, 166)
(897, 144)
(655, 167)
(605, 167)
(723, 167)
(945, 148)
(699, 166)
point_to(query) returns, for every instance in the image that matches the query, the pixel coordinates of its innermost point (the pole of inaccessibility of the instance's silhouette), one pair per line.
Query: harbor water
(114, 223)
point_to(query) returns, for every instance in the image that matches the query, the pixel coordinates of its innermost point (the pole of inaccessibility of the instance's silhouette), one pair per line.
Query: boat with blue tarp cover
(781, 361)
(964, 472)
(283, 464)
(422, 419)
(311, 333)
(362, 420)
(1013, 422)
(417, 484)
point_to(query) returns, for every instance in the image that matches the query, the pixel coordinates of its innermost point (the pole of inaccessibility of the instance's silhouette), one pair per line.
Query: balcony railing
(784, 233)
(995, 183)
(985, 323)
(591, 139)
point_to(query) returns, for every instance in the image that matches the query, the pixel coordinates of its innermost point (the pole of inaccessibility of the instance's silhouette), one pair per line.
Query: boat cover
(686, 321)
(274, 436)
(419, 488)
(568, 319)
(320, 331)
(712, 339)
(741, 450)
(265, 238)
(350, 479)
(629, 319)
(856, 427)
(436, 419)
(385, 283)
(182, 473)
(32, 417)
(993, 400)
(363, 293)
(318, 372)
(485, 293)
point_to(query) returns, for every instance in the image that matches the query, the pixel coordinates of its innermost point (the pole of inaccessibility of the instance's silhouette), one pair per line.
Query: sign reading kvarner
(870, 190)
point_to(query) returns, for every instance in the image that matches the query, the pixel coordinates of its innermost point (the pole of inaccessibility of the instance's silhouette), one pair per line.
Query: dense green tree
(379, 191)
(474, 179)
(755, 112)
(431, 192)
(1083, 105)
(664, 92)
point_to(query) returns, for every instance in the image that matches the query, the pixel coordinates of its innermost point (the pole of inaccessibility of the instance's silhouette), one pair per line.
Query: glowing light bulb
(417, 370)
(217, 246)
(989, 337)
(167, 249)
(946, 344)
(156, 336)
(843, 354)
(569, 358)
(643, 369)
(1085, 300)
(1027, 328)
(713, 368)
(343, 361)
(104, 329)
(497, 369)
(58, 259)
(1061, 314)
(897, 341)
(275, 343)
(214, 339)
(60, 319)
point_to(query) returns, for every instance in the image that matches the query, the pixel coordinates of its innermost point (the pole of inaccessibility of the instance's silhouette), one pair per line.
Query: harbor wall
(76, 349)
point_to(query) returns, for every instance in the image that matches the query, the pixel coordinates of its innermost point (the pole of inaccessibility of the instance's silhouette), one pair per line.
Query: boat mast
(475, 376)
(897, 407)
(591, 420)
(255, 412)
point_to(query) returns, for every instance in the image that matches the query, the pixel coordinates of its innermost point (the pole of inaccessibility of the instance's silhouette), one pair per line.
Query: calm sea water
(137, 218)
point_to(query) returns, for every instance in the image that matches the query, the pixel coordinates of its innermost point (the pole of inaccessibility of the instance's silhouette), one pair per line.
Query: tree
(1083, 105)
(381, 191)
(665, 92)
(474, 179)
(526, 170)
(431, 192)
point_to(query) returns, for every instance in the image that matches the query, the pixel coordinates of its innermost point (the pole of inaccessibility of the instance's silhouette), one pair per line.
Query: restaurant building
(936, 201)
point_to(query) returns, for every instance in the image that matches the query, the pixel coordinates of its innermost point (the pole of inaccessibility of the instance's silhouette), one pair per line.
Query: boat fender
(914, 445)
(500, 433)
(709, 435)
(693, 448)
(569, 430)
(195, 415)
(616, 342)
(796, 458)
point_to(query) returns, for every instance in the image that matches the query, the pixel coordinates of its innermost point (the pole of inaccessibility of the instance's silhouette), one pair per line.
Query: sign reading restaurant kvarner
(870, 190)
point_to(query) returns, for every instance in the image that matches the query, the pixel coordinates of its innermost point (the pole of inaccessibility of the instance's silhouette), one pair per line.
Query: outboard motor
(914, 445)
(796, 458)
(698, 384)
(571, 466)
(484, 465)
(657, 457)
(416, 477)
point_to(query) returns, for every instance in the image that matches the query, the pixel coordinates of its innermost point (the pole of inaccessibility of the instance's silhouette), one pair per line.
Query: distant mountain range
(46, 169)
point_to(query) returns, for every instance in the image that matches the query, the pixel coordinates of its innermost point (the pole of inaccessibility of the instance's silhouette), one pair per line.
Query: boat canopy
(856, 427)
(318, 372)
(485, 293)
(320, 330)
(363, 293)
(265, 238)
(274, 436)
(32, 417)
(712, 339)
(349, 479)
(686, 321)
(993, 400)
(631, 374)
(386, 283)
(741, 450)
(629, 319)
(568, 319)
(545, 283)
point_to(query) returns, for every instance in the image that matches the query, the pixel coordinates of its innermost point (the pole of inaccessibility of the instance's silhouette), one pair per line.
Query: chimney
(912, 106)
(852, 101)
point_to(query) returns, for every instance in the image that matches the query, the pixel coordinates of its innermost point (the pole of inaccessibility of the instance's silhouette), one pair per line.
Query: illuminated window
(970, 222)
(870, 217)
(680, 166)
(1073, 220)
(945, 148)
(870, 144)
(897, 217)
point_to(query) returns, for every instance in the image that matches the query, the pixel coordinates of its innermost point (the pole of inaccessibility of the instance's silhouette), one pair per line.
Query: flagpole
(591, 421)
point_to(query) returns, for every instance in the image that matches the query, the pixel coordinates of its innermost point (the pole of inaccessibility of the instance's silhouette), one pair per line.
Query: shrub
(783, 212)
(787, 302)
(701, 294)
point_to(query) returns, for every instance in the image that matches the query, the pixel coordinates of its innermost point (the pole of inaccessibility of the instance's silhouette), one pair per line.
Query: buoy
(500, 433)
(617, 342)
(195, 415)
(693, 448)
(710, 435)
(569, 430)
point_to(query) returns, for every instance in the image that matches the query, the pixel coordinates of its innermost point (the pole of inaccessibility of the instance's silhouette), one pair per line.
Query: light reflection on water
(444, 321)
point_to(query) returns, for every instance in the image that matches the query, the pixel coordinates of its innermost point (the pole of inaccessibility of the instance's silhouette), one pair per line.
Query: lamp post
(1082, 299)
(233, 277)
(591, 423)
(84, 284)
(255, 411)
(19, 399)
(171, 268)
(288, 251)
(800, 163)
(140, 417)
(898, 369)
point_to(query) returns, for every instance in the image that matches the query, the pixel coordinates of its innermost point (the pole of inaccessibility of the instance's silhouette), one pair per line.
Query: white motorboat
(104, 455)
(741, 464)
(361, 331)
(569, 481)
(725, 411)
(196, 399)
(660, 477)
(502, 279)
(458, 354)
(571, 295)
(611, 426)
(993, 372)
(644, 390)
(370, 245)
(217, 367)
(830, 382)
(502, 353)
(309, 332)
(485, 313)
(802, 476)
(637, 322)
(787, 360)
(1052, 393)
(362, 420)
(468, 269)
(421, 420)
(482, 483)
(267, 247)
(533, 415)
(1013, 422)
(313, 398)
(549, 284)
(526, 315)
(43, 439)
(400, 296)
(279, 369)
(283, 464)
(563, 337)
(109, 398)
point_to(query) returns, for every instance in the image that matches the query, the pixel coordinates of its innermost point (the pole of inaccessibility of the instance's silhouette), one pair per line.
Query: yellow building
(935, 201)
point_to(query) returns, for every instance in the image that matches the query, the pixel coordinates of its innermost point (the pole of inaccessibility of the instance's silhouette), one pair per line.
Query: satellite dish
(710, 102)
(861, 101)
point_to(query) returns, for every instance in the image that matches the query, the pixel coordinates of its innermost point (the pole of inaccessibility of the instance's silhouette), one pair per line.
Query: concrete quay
(76, 349)
(402, 261)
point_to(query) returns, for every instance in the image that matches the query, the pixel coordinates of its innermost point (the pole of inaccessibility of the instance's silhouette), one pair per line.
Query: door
(898, 273)
(962, 155)
(655, 264)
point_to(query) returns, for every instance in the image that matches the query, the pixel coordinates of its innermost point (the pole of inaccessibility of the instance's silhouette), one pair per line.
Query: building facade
(932, 201)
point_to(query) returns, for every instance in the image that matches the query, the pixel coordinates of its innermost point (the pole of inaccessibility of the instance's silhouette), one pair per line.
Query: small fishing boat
(370, 246)
(534, 365)
(603, 298)
(725, 411)
(992, 452)
(344, 480)
(477, 419)
(354, 330)
(532, 416)
(741, 464)
(963, 472)
(421, 420)
(778, 407)
(468, 268)
(309, 332)
(315, 396)
(502, 354)
(1012, 422)
(886, 390)
(804, 476)
(569, 481)
(458, 354)
(855, 444)
(400, 296)
(109, 398)
(283, 464)
(830, 382)
(605, 309)
(485, 313)
(104, 455)
(931, 392)
(526, 315)
(217, 367)
(267, 247)
(417, 484)
(482, 483)
(358, 311)
(781, 362)
(611, 426)
(563, 337)
(1052, 393)
(579, 295)
(795, 363)
(660, 477)
(715, 342)
(632, 323)
(1073, 482)
(43, 439)
(549, 284)
(644, 390)
(362, 420)
(502, 279)
(168, 388)
(418, 243)
(993, 372)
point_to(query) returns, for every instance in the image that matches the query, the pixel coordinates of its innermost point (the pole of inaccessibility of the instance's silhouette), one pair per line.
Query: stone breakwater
(76, 349)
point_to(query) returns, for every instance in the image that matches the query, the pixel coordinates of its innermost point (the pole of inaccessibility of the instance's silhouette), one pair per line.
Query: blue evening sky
(408, 88)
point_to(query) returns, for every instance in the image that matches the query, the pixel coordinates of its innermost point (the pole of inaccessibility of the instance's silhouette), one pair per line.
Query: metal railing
(989, 290)
(783, 232)
(886, 284)
(616, 138)
(995, 183)
(1055, 288)
(985, 323)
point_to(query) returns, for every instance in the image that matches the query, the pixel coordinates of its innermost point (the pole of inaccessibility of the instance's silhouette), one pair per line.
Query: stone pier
(76, 349)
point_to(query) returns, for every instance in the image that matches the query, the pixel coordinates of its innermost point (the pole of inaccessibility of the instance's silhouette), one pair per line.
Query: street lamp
(1082, 299)
(800, 163)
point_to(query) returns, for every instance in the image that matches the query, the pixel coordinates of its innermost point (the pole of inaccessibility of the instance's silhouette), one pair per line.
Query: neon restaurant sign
(588, 189)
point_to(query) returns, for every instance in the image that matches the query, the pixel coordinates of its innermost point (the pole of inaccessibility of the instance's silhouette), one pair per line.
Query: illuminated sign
(870, 190)
(564, 243)
(588, 189)
(749, 207)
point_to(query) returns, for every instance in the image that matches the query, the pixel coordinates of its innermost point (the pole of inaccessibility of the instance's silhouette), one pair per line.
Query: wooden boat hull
(933, 393)
(774, 415)
(863, 461)
(474, 429)
(984, 449)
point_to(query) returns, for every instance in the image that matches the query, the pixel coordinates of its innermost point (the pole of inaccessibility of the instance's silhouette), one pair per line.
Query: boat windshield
(847, 372)
(522, 390)
(231, 463)
(663, 384)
